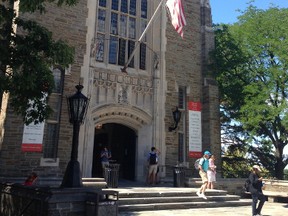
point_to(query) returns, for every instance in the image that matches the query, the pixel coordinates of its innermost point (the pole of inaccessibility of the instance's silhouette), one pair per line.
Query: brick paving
(269, 209)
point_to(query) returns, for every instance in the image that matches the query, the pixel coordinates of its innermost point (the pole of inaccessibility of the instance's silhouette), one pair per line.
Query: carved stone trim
(126, 115)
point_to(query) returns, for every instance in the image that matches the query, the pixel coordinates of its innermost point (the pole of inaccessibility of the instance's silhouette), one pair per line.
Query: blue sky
(225, 11)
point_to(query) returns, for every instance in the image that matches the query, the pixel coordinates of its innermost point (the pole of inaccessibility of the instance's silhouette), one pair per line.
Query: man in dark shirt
(255, 188)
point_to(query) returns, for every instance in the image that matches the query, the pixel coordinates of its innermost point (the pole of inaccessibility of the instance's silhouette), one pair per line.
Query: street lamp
(176, 117)
(77, 107)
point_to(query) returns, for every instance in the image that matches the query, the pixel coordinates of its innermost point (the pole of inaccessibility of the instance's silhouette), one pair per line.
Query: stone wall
(48, 201)
(68, 24)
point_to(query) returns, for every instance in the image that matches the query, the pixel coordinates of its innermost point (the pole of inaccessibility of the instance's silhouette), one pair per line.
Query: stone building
(129, 112)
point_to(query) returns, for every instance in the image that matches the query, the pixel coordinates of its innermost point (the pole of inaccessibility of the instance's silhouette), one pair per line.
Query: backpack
(152, 159)
(247, 184)
(196, 163)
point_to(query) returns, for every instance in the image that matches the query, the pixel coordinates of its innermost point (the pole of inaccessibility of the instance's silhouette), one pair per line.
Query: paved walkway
(269, 209)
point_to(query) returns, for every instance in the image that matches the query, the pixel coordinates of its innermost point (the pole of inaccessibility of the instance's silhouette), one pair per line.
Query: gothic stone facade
(141, 100)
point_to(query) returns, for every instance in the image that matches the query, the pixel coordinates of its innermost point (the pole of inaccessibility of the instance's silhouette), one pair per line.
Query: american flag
(176, 11)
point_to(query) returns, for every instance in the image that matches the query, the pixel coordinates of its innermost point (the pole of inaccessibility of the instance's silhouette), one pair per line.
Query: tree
(251, 65)
(26, 59)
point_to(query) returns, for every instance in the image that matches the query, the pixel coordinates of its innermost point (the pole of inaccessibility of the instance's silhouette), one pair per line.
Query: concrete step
(176, 199)
(167, 193)
(182, 205)
(160, 198)
(94, 182)
(93, 179)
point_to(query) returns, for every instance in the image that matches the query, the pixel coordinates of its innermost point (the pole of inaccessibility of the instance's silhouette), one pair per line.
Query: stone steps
(181, 205)
(161, 198)
(178, 199)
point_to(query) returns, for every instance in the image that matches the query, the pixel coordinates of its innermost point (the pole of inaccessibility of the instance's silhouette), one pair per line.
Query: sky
(225, 11)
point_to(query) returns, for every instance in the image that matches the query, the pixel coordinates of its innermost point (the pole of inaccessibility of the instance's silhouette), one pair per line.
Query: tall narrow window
(99, 52)
(181, 147)
(143, 56)
(52, 124)
(182, 97)
(121, 22)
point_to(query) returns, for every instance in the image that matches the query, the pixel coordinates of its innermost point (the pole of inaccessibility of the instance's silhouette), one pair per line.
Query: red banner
(195, 129)
(26, 147)
(33, 137)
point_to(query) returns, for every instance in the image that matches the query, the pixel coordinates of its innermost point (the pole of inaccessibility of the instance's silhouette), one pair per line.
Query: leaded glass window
(101, 20)
(114, 24)
(120, 23)
(113, 50)
(123, 26)
(100, 47)
(52, 125)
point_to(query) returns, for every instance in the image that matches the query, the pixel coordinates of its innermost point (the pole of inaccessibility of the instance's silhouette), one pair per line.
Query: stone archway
(120, 127)
(121, 141)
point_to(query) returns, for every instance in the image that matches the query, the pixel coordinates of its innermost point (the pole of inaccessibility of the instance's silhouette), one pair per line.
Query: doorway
(121, 141)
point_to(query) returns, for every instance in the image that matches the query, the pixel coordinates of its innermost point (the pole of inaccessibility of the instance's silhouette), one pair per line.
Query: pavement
(269, 209)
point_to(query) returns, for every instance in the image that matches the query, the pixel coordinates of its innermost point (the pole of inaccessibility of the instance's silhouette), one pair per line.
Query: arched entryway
(121, 141)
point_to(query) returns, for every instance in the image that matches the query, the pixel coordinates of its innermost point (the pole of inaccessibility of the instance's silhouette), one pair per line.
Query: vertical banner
(195, 129)
(33, 137)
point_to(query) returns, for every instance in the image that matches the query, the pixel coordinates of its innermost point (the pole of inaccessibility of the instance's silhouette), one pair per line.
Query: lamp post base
(72, 177)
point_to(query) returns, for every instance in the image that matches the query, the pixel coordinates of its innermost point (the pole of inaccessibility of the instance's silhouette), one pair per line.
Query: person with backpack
(203, 168)
(153, 165)
(255, 188)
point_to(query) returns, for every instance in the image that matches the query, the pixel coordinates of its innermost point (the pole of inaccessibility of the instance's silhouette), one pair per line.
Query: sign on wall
(33, 137)
(195, 129)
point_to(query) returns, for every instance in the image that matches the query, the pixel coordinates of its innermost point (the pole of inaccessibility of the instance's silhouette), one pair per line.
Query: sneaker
(204, 197)
(199, 194)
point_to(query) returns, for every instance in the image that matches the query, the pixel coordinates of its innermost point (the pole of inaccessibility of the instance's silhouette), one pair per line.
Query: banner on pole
(195, 129)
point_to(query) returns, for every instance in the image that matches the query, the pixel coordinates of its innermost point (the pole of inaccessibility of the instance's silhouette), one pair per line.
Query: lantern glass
(177, 115)
(77, 105)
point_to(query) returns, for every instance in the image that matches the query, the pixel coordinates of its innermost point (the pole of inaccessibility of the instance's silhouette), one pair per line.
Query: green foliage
(250, 64)
(286, 174)
(26, 60)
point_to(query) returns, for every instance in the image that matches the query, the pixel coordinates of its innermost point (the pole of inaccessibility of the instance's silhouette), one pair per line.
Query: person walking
(255, 188)
(211, 172)
(152, 160)
(203, 168)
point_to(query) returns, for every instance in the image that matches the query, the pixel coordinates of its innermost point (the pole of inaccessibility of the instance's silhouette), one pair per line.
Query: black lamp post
(77, 107)
(176, 117)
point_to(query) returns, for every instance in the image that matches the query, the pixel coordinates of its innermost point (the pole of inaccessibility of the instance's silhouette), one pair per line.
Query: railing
(19, 200)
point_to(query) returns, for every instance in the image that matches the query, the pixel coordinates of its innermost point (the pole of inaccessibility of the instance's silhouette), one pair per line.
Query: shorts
(203, 176)
(153, 169)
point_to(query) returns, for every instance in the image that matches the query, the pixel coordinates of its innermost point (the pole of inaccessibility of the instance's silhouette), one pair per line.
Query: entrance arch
(121, 141)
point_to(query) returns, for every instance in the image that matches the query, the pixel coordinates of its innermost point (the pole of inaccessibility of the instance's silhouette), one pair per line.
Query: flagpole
(141, 37)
